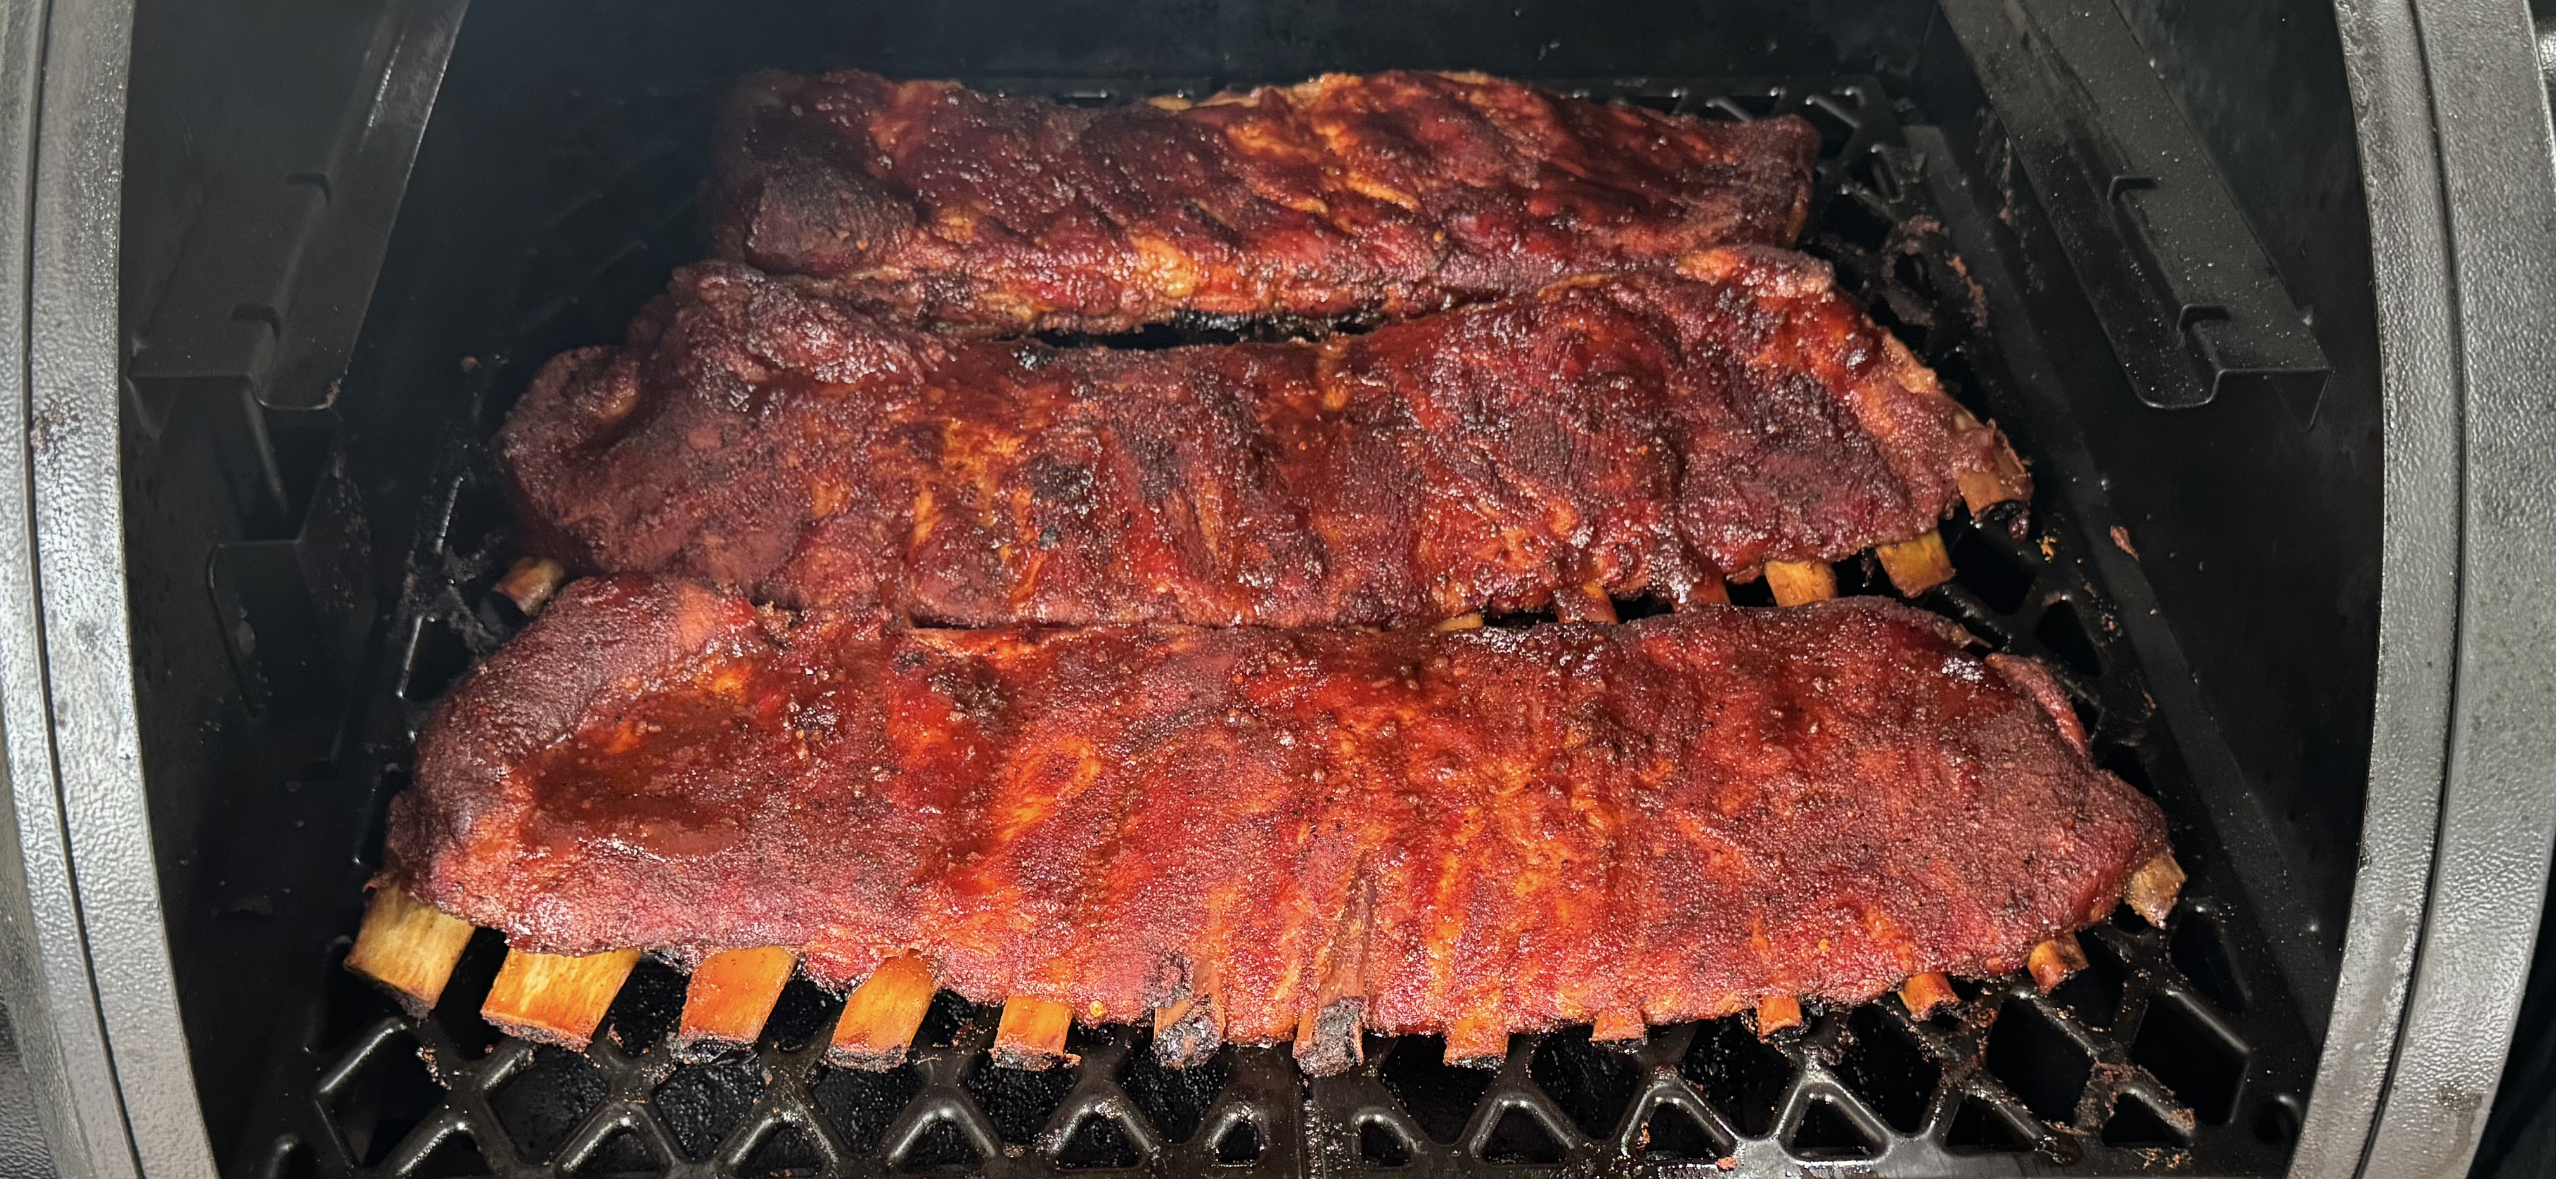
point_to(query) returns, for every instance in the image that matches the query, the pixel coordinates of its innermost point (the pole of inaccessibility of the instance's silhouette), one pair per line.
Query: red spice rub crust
(1387, 193)
(1507, 830)
(1610, 436)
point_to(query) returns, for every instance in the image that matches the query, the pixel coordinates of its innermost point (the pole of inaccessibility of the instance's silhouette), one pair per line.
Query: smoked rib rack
(1349, 195)
(1622, 436)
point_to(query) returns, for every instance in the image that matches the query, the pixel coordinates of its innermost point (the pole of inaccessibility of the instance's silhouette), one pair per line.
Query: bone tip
(1467, 621)
(408, 948)
(1916, 565)
(1776, 1013)
(1622, 1029)
(1476, 1048)
(1800, 583)
(556, 999)
(1922, 994)
(1332, 1040)
(541, 1033)
(530, 582)
(2154, 888)
(1186, 1033)
(2053, 961)
(1032, 1034)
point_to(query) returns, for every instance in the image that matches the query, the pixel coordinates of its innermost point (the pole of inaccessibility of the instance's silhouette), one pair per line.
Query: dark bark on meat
(1679, 816)
(1389, 193)
(1622, 435)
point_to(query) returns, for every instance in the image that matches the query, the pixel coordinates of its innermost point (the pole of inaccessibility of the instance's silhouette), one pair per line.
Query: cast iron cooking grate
(2174, 1050)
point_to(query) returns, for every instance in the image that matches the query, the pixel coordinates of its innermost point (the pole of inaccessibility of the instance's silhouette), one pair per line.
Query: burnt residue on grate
(2169, 1052)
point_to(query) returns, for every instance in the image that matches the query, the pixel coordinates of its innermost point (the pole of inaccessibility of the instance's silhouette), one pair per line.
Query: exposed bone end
(1923, 993)
(1190, 1029)
(1918, 565)
(1588, 603)
(1328, 1040)
(2053, 961)
(409, 947)
(1466, 621)
(1477, 1041)
(554, 998)
(881, 1017)
(530, 582)
(1620, 1029)
(2004, 481)
(2153, 888)
(1776, 1013)
(1799, 583)
(730, 997)
(1032, 1034)
(1328, 1034)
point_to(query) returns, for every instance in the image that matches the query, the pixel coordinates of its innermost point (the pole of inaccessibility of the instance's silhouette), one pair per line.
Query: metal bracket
(2185, 293)
(279, 268)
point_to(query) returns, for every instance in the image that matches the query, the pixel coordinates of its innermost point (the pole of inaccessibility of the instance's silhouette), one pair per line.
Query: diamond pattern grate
(2167, 1053)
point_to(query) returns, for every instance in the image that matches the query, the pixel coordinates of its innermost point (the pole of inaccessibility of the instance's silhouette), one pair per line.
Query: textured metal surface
(2498, 180)
(23, 1152)
(72, 379)
(44, 971)
(2178, 1051)
(2418, 607)
(1960, 1093)
(79, 541)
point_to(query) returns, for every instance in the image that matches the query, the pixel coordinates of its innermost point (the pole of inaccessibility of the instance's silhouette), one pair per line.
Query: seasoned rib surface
(1386, 193)
(1621, 435)
(1482, 831)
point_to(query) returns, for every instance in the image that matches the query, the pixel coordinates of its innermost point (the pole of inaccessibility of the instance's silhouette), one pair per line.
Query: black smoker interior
(2134, 234)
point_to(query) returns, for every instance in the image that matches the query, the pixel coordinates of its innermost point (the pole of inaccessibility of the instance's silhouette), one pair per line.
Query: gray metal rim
(2461, 179)
(95, 1002)
(2460, 172)
(44, 966)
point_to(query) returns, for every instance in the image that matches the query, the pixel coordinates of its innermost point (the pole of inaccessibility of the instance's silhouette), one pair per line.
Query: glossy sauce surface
(1507, 829)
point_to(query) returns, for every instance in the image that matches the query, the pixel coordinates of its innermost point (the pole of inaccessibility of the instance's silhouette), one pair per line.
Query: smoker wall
(2265, 550)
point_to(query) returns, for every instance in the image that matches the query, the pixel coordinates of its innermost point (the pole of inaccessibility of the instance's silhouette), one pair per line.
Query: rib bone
(1626, 1027)
(530, 582)
(2053, 961)
(1032, 1034)
(1777, 1012)
(1918, 565)
(2153, 888)
(409, 947)
(1328, 1037)
(1191, 1027)
(1923, 993)
(731, 996)
(553, 998)
(2004, 482)
(1476, 1043)
(1799, 583)
(881, 1017)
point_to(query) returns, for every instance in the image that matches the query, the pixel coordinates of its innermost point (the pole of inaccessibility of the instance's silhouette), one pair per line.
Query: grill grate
(2171, 1051)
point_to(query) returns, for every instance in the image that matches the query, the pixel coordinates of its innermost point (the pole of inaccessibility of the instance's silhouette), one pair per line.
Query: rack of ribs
(1600, 438)
(1348, 195)
(1255, 835)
